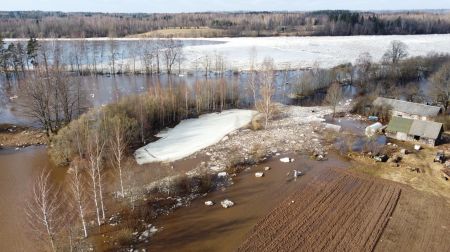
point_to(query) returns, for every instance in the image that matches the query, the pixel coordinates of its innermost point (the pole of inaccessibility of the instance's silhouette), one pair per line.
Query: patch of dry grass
(429, 178)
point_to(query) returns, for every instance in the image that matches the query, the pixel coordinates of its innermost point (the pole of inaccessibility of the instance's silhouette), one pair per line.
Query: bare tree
(157, 52)
(77, 188)
(440, 85)
(113, 55)
(267, 89)
(133, 51)
(37, 102)
(285, 74)
(44, 211)
(121, 129)
(334, 96)
(94, 152)
(363, 64)
(206, 64)
(252, 78)
(397, 51)
(219, 64)
(172, 53)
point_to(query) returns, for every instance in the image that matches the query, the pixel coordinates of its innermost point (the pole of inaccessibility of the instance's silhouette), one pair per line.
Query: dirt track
(342, 212)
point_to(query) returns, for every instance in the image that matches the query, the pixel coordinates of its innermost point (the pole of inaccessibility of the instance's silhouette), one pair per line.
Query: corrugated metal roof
(408, 107)
(426, 129)
(399, 124)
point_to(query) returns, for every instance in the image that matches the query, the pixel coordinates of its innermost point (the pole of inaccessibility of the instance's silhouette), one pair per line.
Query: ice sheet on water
(307, 51)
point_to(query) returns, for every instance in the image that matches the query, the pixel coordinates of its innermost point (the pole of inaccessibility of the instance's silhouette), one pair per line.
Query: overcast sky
(150, 6)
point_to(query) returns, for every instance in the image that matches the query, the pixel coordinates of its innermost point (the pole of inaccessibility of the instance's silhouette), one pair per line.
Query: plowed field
(341, 212)
(421, 222)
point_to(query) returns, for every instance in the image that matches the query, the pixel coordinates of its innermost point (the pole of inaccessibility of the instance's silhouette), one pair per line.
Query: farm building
(406, 129)
(409, 110)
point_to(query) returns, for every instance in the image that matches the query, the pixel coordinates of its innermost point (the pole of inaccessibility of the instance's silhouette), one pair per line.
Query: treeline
(24, 24)
(344, 23)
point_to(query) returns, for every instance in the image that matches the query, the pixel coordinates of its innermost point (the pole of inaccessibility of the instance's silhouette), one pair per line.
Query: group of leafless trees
(422, 79)
(142, 56)
(49, 78)
(50, 94)
(332, 23)
(398, 76)
(84, 57)
(61, 217)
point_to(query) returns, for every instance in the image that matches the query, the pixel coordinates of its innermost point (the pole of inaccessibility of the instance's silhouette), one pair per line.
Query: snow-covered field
(192, 135)
(306, 51)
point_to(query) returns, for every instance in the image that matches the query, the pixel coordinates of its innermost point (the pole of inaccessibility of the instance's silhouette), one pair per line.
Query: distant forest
(25, 24)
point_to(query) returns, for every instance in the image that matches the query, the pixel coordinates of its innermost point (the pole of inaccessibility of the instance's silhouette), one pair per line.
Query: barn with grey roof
(405, 129)
(407, 109)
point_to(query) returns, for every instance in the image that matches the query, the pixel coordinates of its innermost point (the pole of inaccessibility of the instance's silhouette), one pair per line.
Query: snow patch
(192, 135)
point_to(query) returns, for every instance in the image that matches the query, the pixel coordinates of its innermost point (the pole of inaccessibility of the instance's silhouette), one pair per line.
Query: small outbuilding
(405, 129)
(372, 129)
(407, 109)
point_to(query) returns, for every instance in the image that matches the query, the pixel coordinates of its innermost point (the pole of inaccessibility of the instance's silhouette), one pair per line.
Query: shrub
(258, 122)
(124, 237)
(257, 152)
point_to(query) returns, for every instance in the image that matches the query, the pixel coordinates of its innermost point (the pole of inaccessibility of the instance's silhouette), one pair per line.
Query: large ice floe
(192, 135)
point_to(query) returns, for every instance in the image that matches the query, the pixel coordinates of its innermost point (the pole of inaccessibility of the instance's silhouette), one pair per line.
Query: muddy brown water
(194, 228)
(18, 170)
(202, 228)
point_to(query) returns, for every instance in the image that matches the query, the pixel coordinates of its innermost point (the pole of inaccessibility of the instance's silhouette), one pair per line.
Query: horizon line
(239, 11)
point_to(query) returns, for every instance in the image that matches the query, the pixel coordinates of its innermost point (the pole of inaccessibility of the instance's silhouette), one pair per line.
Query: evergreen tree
(32, 48)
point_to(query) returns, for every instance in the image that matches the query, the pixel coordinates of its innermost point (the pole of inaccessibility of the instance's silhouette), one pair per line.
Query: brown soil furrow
(338, 231)
(382, 222)
(334, 221)
(346, 220)
(362, 221)
(347, 214)
(293, 210)
(315, 213)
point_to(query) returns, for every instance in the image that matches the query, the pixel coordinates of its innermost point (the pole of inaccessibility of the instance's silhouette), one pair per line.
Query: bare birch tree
(44, 211)
(121, 129)
(267, 90)
(94, 152)
(252, 78)
(77, 188)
